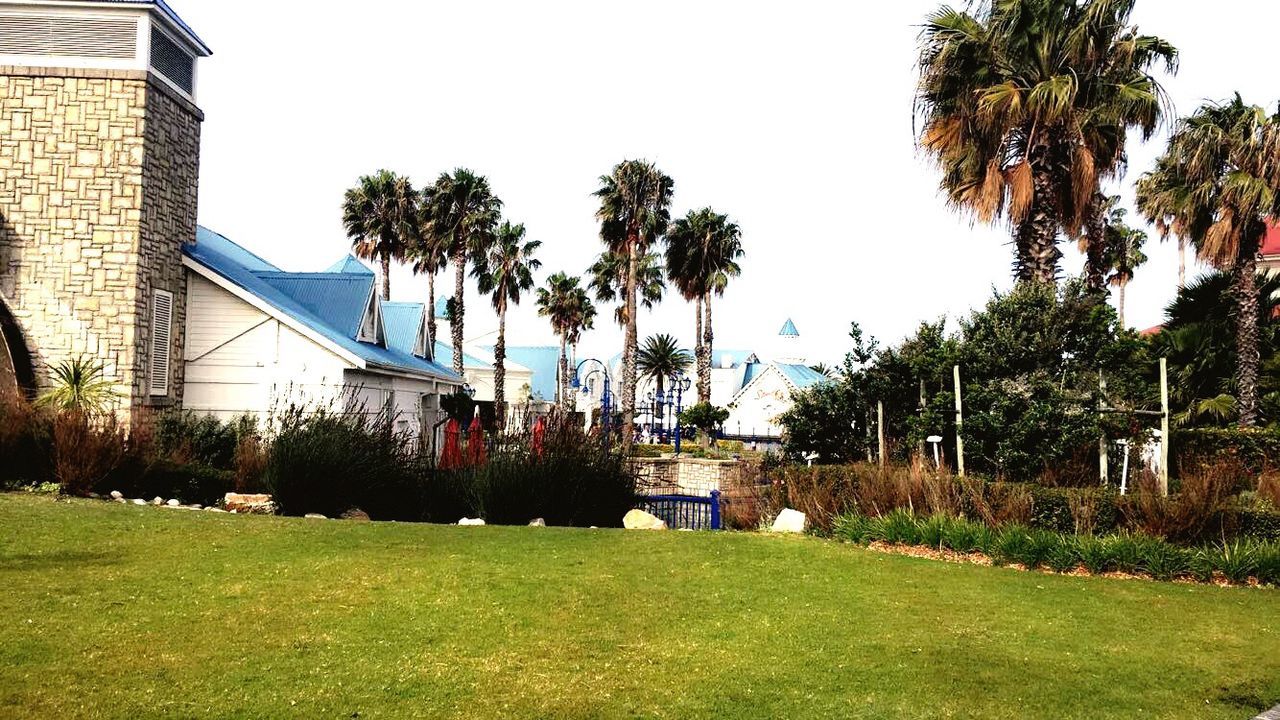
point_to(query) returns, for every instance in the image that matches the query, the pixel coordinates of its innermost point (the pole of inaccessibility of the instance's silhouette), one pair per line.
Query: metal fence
(684, 512)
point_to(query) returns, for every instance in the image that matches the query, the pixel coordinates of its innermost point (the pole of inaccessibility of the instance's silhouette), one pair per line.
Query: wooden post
(880, 428)
(1164, 426)
(959, 425)
(923, 449)
(1102, 438)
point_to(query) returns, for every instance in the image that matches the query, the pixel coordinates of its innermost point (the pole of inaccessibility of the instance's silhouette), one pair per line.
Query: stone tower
(99, 155)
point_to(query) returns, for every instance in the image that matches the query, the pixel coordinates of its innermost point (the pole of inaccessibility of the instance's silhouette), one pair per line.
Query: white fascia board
(279, 315)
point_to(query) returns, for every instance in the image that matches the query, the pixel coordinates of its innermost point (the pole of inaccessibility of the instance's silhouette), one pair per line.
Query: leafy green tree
(1217, 184)
(461, 214)
(380, 215)
(1025, 105)
(660, 358)
(704, 416)
(635, 208)
(505, 272)
(703, 249)
(570, 311)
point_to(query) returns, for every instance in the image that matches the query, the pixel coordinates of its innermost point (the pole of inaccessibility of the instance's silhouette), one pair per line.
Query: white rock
(117, 495)
(121, 500)
(214, 509)
(195, 506)
(537, 522)
(138, 501)
(790, 521)
(157, 500)
(638, 519)
(174, 502)
(315, 516)
(471, 521)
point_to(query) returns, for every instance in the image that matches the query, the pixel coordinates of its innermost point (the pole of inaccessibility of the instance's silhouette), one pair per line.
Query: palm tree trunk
(707, 341)
(701, 355)
(386, 276)
(1248, 353)
(431, 314)
(562, 387)
(631, 342)
(1095, 250)
(455, 318)
(657, 406)
(1036, 237)
(500, 369)
(1120, 302)
(1182, 262)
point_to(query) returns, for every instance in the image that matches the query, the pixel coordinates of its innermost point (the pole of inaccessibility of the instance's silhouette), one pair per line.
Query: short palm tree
(504, 271)
(80, 385)
(462, 215)
(1025, 105)
(609, 276)
(703, 249)
(380, 215)
(1123, 255)
(1218, 184)
(635, 208)
(566, 304)
(659, 359)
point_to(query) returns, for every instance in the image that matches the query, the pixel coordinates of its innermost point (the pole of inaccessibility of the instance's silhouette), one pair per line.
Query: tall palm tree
(571, 312)
(1123, 255)
(660, 358)
(1218, 184)
(609, 276)
(504, 271)
(380, 215)
(429, 256)
(703, 249)
(462, 214)
(1024, 104)
(635, 208)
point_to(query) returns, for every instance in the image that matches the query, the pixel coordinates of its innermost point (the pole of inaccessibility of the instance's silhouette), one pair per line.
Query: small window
(161, 341)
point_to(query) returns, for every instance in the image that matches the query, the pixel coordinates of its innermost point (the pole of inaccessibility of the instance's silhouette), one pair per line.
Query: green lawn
(109, 610)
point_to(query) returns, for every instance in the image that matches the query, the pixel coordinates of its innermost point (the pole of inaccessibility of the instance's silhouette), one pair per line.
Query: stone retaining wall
(686, 476)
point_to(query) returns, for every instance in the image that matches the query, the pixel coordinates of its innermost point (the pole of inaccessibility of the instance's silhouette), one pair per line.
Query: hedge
(1254, 449)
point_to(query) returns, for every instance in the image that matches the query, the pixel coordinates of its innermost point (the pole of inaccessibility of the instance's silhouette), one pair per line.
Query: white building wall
(757, 409)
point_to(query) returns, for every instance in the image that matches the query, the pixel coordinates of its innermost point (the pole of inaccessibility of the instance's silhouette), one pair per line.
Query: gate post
(715, 509)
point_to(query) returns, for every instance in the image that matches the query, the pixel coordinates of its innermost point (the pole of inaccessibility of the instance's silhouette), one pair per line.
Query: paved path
(1272, 714)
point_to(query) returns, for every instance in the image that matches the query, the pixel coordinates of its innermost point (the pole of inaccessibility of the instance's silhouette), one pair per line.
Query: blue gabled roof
(753, 369)
(442, 307)
(325, 303)
(789, 329)
(802, 376)
(402, 321)
(349, 264)
(544, 361)
(444, 356)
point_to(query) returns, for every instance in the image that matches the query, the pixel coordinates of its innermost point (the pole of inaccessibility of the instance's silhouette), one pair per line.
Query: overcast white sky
(794, 118)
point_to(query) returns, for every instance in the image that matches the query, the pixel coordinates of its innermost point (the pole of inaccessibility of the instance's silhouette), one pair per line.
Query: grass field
(109, 610)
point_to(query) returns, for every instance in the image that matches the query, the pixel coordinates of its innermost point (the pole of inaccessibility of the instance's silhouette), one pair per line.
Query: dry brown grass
(1186, 514)
(1269, 487)
(251, 463)
(86, 450)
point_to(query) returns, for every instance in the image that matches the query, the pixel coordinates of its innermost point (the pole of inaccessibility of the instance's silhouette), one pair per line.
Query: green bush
(1253, 449)
(327, 462)
(186, 436)
(26, 442)
(167, 479)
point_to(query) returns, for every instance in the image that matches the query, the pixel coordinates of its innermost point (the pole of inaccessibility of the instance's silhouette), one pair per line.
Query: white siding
(758, 407)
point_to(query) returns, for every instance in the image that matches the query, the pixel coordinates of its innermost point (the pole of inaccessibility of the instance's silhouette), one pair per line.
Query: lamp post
(598, 368)
(679, 384)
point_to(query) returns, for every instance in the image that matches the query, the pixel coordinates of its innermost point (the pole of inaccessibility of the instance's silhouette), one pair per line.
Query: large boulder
(471, 521)
(355, 514)
(250, 503)
(537, 522)
(790, 521)
(638, 519)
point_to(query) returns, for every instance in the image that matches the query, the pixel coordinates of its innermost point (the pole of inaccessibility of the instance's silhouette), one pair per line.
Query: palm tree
(429, 256)
(462, 213)
(1123, 255)
(571, 312)
(660, 358)
(505, 271)
(609, 276)
(80, 385)
(380, 215)
(823, 369)
(703, 249)
(1218, 184)
(1025, 104)
(635, 207)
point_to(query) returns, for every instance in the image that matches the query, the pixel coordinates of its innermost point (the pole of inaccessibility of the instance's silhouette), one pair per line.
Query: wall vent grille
(67, 36)
(172, 61)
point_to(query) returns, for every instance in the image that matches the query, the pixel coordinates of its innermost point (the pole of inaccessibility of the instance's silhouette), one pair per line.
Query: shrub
(1094, 553)
(251, 459)
(168, 479)
(86, 451)
(854, 528)
(899, 528)
(327, 462)
(1249, 449)
(1023, 545)
(1184, 515)
(26, 439)
(966, 536)
(1064, 556)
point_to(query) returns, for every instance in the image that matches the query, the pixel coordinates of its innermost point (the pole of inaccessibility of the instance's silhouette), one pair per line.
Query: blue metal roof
(544, 361)
(802, 376)
(789, 329)
(444, 356)
(402, 321)
(442, 307)
(736, 357)
(349, 264)
(753, 369)
(323, 302)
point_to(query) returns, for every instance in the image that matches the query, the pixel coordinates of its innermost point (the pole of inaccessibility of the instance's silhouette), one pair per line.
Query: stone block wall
(97, 194)
(686, 476)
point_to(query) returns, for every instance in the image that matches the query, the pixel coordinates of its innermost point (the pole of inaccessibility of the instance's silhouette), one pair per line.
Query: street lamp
(679, 384)
(578, 381)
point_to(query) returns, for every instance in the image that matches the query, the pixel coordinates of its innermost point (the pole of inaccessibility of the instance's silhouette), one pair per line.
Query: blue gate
(681, 512)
